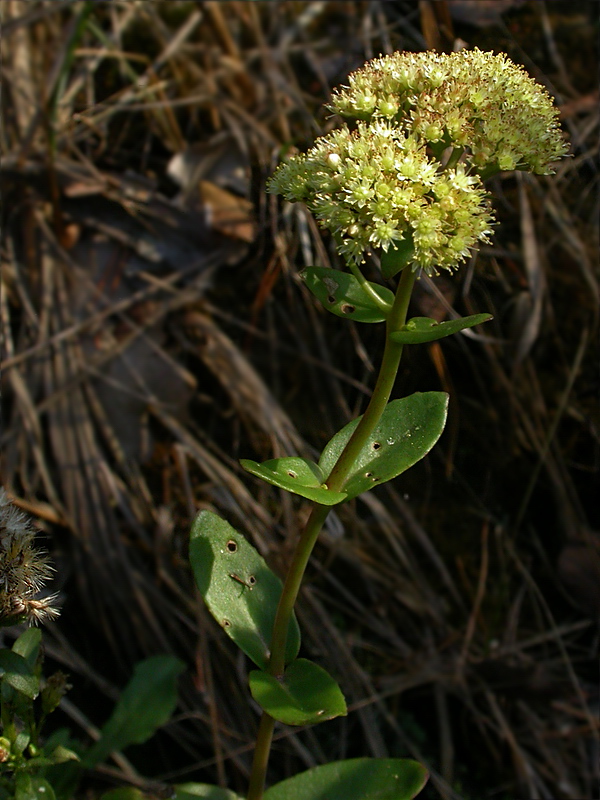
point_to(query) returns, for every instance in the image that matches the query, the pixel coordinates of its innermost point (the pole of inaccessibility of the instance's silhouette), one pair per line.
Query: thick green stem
(383, 388)
(261, 757)
(308, 538)
(304, 548)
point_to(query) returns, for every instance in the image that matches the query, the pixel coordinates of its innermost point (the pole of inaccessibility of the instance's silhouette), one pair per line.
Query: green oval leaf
(355, 779)
(191, 791)
(342, 294)
(16, 672)
(399, 255)
(424, 329)
(59, 755)
(146, 703)
(32, 787)
(239, 589)
(406, 432)
(296, 475)
(28, 645)
(305, 693)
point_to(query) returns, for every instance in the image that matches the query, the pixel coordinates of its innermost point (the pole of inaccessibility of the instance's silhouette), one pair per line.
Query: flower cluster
(429, 128)
(23, 569)
(376, 186)
(470, 99)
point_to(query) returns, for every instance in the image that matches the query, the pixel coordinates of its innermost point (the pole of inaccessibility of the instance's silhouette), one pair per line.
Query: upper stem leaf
(296, 475)
(424, 329)
(342, 294)
(406, 432)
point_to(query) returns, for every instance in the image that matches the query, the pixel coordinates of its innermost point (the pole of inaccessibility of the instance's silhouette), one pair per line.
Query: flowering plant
(404, 182)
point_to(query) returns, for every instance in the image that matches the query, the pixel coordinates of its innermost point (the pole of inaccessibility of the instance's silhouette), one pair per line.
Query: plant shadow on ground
(155, 330)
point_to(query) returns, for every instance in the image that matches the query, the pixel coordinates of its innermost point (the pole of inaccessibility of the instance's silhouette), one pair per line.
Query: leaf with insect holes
(406, 432)
(239, 589)
(424, 329)
(304, 694)
(355, 779)
(342, 294)
(296, 475)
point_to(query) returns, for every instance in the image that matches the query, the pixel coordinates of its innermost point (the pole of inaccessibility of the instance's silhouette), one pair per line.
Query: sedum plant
(403, 181)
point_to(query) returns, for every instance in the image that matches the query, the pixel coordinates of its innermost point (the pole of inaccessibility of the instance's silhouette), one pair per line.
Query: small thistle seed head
(24, 569)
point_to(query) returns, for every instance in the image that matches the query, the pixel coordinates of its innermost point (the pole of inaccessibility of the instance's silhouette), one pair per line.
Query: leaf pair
(406, 432)
(344, 296)
(242, 594)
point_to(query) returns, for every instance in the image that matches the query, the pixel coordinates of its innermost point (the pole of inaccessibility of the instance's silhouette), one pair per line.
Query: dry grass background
(155, 330)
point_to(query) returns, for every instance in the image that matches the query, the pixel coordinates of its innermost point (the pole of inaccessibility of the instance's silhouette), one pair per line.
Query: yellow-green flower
(429, 128)
(377, 186)
(470, 99)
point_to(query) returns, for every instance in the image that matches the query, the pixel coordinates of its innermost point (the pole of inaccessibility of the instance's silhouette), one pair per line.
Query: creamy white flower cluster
(375, 186)
(429, 126)
(473, 99)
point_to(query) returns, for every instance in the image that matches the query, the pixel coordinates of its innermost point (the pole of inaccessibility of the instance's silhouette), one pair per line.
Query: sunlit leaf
(406, 432)
(296, 475)
(424, 329)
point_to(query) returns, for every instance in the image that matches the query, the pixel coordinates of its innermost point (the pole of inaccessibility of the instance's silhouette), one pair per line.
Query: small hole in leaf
(226, 623)
(331, 299)
(346, 308)
(231, 546)
(251, 580)
(368, 474)
(375, 478)
(291, 474)
(376, 445)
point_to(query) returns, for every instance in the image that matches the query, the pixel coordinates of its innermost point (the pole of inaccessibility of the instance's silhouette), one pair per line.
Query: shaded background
(155, 330)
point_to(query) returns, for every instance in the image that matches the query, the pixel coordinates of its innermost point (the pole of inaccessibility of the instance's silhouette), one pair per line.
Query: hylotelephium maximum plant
(403, 180)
